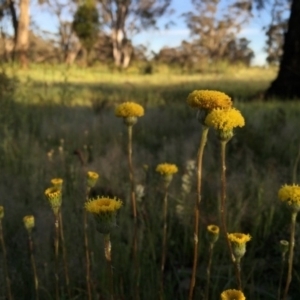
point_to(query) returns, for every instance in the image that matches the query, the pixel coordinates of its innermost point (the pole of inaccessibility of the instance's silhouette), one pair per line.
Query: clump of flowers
(290, 194)
(54, 196)
(92, 178)
(129, 111)
(57, 182)
(208, 100)
(213, 233)
(29, 223)
(167, 171)
(224, 120)
(105, 211)
(232, 295)
(238, 242)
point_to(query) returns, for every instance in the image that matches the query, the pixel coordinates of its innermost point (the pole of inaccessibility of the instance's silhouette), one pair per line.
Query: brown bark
(286, 85)
(23, 34)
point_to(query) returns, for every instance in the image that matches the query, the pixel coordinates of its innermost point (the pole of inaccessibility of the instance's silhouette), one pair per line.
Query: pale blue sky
(172, 37)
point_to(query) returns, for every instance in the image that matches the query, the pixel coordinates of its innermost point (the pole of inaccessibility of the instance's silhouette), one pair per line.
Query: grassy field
(49, 113)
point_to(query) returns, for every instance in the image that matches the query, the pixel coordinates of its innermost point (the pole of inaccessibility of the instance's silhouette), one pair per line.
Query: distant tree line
(92, 31)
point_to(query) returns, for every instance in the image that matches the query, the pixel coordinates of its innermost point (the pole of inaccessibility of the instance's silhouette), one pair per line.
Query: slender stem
(64, 255)
(134, 211)
(197, 210)
(107, 251)
(295, 167)
(211, 249)
(281, 274)
(9, 295)
(223, 213)
(56, 245)
(36, 281)
(164, 243)
(291, 255)
(131, 174)
(86, 246)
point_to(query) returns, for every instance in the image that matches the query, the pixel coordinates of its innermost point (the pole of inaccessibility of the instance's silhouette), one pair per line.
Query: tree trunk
(287, 83)
(23, 33)
(117, 38)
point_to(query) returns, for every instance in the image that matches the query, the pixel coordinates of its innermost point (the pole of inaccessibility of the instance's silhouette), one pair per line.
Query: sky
(172, 37)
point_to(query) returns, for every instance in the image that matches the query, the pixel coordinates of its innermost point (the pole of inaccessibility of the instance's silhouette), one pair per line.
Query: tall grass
(260, 158)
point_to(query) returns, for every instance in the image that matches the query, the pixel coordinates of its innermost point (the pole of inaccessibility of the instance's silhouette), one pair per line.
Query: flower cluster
(291, 195)
(208, 100)
(54, 196)
(225, 119)
(129, 109)
(92, 178)
(213, 233)
(232, 295)
(57, 182)
(104, 210)
(166, 169)
(238, 242)
(29, 222)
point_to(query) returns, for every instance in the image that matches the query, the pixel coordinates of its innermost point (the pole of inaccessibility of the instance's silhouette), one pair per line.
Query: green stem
(291, 255)
(107, 251)
(197, 210)
(211, 248)
(36, 281)
(223, 213)
(281, 274)
(64, 255)
(9, 295)
(134, 211)
(56, 246)
(164, 243)
(86, 246)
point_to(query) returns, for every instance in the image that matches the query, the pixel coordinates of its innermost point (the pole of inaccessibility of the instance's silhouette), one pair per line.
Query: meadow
(49, 115)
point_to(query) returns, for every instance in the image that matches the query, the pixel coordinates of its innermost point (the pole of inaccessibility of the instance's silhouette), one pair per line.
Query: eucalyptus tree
(124, 18)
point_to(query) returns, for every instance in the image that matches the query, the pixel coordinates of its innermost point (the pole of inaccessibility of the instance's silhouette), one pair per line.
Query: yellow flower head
(92, 178)
(238, 242)
(224, 119)
(213, 233)
(28, 222)
(232, 295)
(208, 100)
(129, 109)
(54, 196)
(166, 169)
(105, 210)
(1, 212)
(239, 238)
(291, 195)
(57, 182)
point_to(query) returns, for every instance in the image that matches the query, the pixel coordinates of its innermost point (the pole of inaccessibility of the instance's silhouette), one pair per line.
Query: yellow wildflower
(225, 119)
(28, 222)
(238, 242)
(291, 195)
(54, 196)
(57, 182)
(232, 295)
(239, 238)
(92, 178)
(166, 169)
(129, 109)
(104, 210)
(213, 233)
(208, 100)
(1, 212)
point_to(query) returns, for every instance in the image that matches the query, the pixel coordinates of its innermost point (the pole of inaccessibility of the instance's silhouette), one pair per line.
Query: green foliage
(86, 25)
